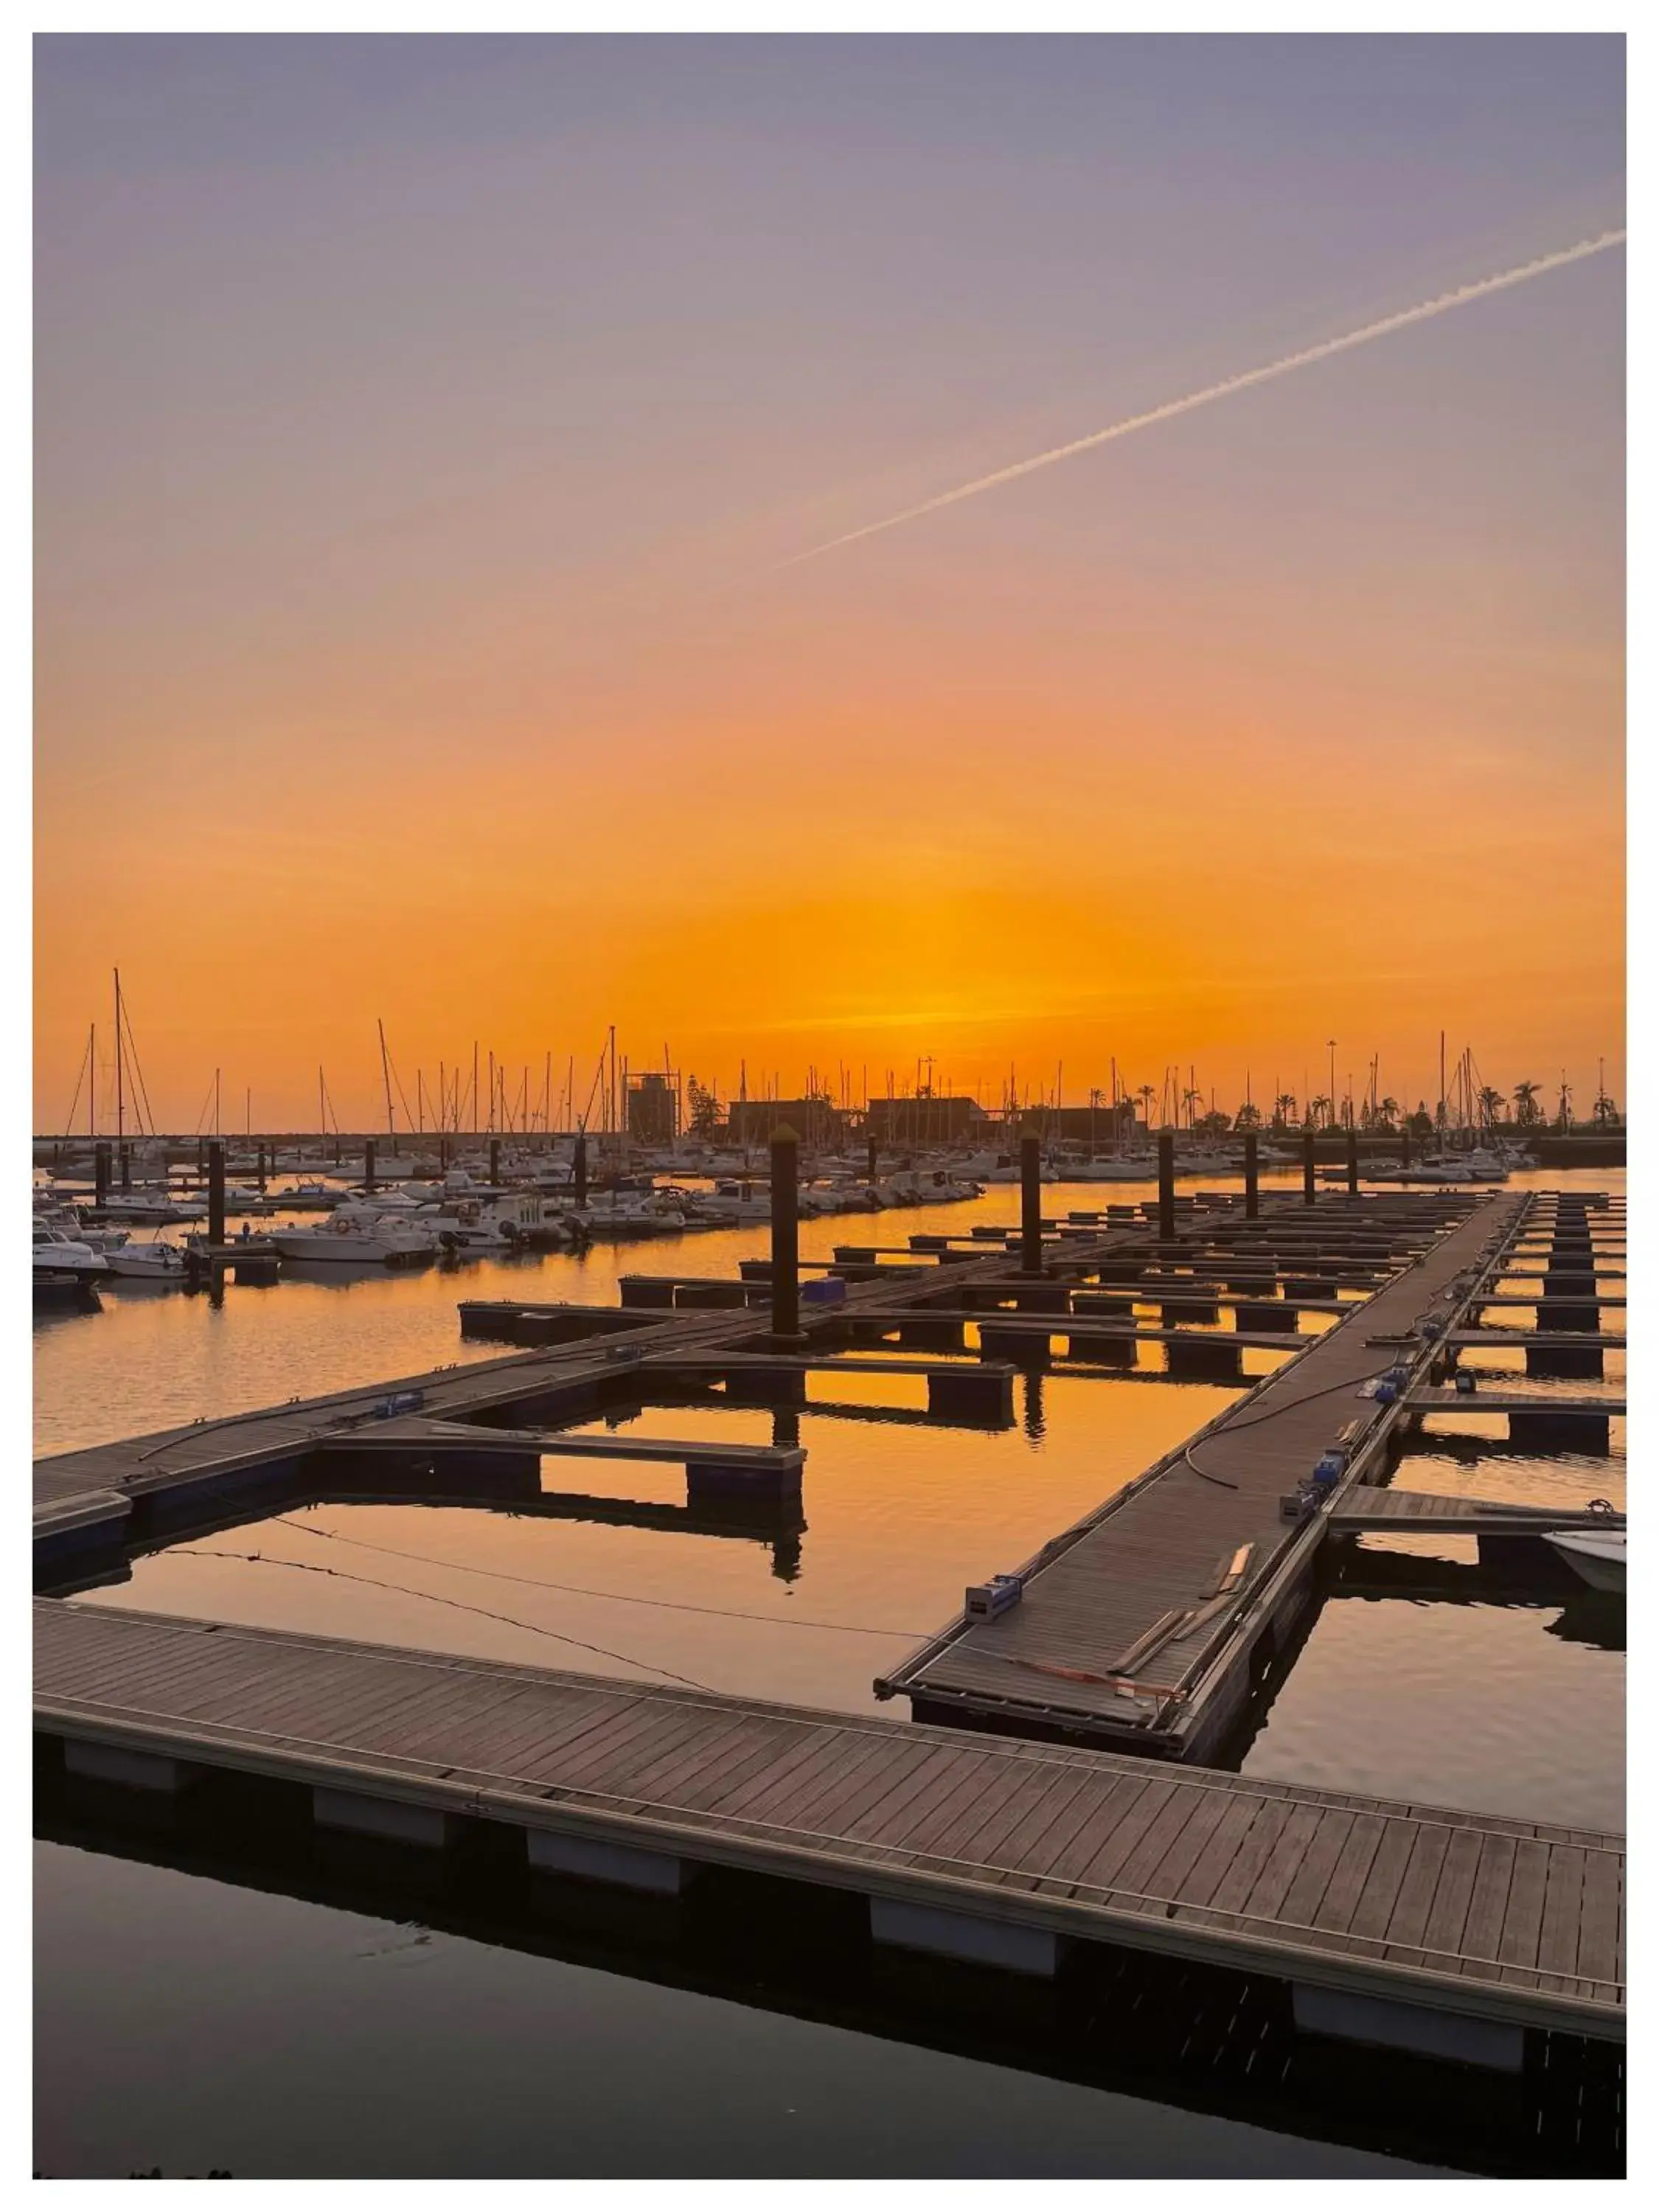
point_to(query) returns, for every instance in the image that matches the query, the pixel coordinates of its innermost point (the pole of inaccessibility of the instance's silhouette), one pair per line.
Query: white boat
(157, 1262)
(1482, 1165)
(501, 1221)
(634, 1213)
(1204, 1159)
(1112, 1167)
(730, 1203)
(1596, 1556)
(66, 1220)
(57, 1255)
(357, 1234)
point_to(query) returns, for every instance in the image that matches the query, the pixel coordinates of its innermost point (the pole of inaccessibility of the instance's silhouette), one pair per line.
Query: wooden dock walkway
(1147, 1620)
(1452, 1932)
(1373, 1506)
(100, 1493)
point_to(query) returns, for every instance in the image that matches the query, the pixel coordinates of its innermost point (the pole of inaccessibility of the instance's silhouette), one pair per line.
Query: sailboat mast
(1443, 1081)
(120, 1095)
(385, 1077)
(91, 1094)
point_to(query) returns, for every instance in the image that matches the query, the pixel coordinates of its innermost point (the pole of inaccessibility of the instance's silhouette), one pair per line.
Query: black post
(337, 1148)
(1308, 1167)
(1353, 1163)
(872, 1159)
(368, 1165)
(443, 1155)
(1166, 1185)
(262, 1170)
(126, 1169)
(100, 1173)
(1030, 1206)
(1404, 1144)
(785, 1235)
(581, 1169)
(201, 1155)
(215, 1195)
(494, 1159)
(1252, 1181)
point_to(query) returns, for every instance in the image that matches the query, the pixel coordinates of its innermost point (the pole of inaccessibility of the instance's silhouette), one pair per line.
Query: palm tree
(1190, 1100)
(1146, 1093)
(1318, 1111)
(1492, 1106)
(1284, 1110)
(1387, 1113)
(1527, 1113)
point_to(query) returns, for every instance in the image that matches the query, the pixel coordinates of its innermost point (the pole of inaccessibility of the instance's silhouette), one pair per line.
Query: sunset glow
(419, 449)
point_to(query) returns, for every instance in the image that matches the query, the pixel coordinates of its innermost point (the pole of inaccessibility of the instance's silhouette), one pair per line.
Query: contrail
(1424, 311)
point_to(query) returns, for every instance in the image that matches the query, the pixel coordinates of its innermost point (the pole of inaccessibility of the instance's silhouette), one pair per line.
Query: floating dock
(1442, 1932)
(1152, 1619)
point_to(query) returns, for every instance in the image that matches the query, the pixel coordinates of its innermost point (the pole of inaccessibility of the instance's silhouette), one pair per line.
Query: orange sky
(411, 641)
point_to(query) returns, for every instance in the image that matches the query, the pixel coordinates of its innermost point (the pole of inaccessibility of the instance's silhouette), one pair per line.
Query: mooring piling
(1166, 1187)
(1030, 1205)
(215, 1196)
(786, 1235)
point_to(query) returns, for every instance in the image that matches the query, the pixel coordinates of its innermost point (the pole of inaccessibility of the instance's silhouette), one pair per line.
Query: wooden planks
(1369, 1506)
(1113, 1589)
(1493, 1917)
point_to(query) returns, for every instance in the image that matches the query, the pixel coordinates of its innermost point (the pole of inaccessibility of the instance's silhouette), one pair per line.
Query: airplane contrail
(1442, 304)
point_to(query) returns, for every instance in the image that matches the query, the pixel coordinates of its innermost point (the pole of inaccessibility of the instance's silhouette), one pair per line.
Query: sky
(427, 430)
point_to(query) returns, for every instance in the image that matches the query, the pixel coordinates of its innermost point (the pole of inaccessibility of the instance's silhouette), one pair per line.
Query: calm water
(188, 2023)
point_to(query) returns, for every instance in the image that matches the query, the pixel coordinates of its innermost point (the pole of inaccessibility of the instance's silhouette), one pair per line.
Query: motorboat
(1204, 1159)
(730, 1203)
(1596, 1556)
(635, 1213)
(1111, 1167)
(144, 1209)
(356, 1233)
(502, 1221)
(55, 1254)
(66, 1220)
(155, 1262)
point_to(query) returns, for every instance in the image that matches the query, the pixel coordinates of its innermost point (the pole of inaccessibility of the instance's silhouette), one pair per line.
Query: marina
(830, 1294)
(1056, 1791)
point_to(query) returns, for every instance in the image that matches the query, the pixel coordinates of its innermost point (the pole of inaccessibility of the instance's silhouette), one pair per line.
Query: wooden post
(1404, 1144)
(262, 1170)
(369, 1167)
(581, 1169)
(1030, 1206)
(1252, 1179)
(1307, 1167)
(872, 1159)
(100, 1175)
(494, 1159)
(126, 1169)
(1166, 1185)
(215, 1196)
(1353, 1163)
(785, 1235)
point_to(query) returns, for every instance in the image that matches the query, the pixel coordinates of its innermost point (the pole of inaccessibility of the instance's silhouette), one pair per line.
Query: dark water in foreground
(190, 2020)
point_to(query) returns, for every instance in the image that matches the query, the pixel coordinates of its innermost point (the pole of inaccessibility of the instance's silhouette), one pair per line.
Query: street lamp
(1331, 1042)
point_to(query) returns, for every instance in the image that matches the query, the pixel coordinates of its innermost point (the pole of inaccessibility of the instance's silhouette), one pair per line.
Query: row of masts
(484, 1094)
